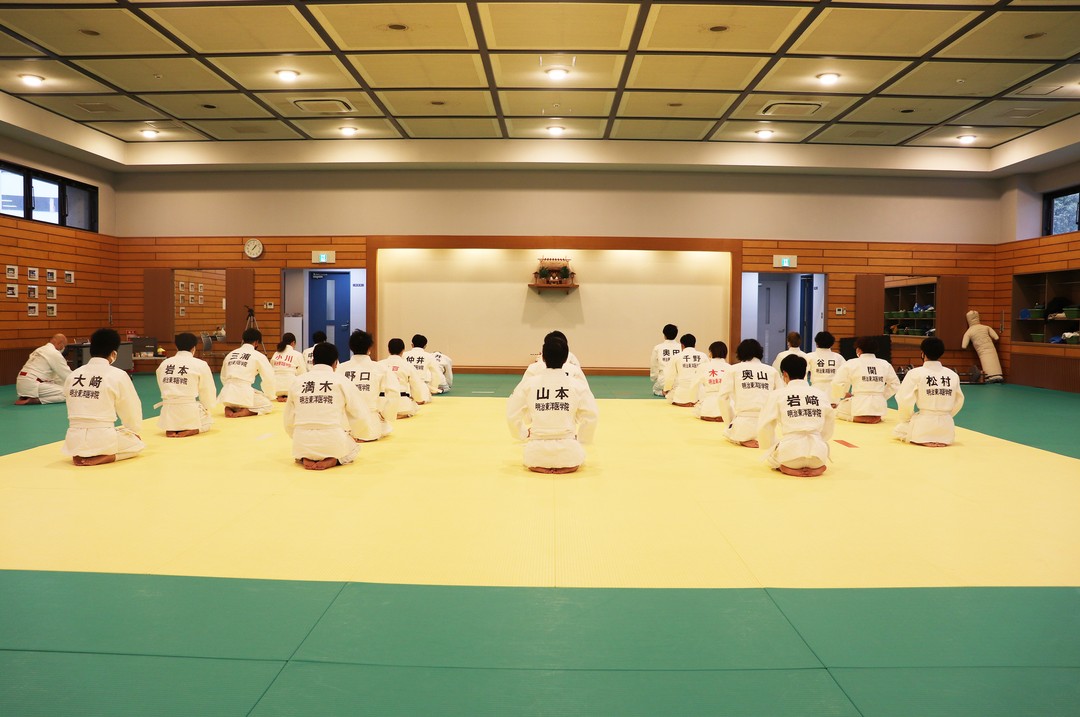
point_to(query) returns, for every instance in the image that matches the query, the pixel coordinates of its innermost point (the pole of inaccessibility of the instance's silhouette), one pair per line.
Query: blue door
(328, 309)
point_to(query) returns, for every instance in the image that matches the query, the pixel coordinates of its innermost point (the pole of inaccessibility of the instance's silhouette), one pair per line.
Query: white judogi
(935, 390)
(707, 388)
(821, 368)
(872, 382)
(538, 367)
(238, 372)
(446, 365)
(680, 379)
(662, 354)
(554, 414)
(380, 396)
(309, 358)
(783, 354)
(805, 417)
(188, 393)
(43, 375)
(320, 408)
(97, 393)
(407, 382)
(743, 392)
(427, 368)
(287, 365)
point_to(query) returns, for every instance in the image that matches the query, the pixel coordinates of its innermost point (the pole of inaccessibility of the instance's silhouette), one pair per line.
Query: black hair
(932, 348)
(251, 336)
(793, 339)
(559, 335)
(866, 344)
(103, 342)
(794, 366)
(360, 342)
(718, 349)
(688, 341)
(395, 346)
(286, 339)
(555, 352)
(185, 341)
(324, 353)
(671, 331)
(749, 349)
(318, 336)
(824, 340)
(419, 341)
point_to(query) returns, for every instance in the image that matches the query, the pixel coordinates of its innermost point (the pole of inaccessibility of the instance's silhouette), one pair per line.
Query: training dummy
(41, 379)
(709, 379)
(97, 394)
(935, 391)
(680, 382)
(288, 363)
(982, 337)
(320, 407)
(743, 392)
(662, 354)
(872, 382)
(805, 419)
(554, 414)
(379, 392)
(238, 372)
(188, 393)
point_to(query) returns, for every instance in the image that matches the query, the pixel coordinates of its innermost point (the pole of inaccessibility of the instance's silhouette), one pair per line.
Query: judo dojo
(741, 169)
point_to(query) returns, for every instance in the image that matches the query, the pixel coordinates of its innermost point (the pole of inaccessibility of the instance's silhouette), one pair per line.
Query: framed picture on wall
(12, 272)
(69, 277)
(50, 293)
(182, 288)
(50, 309)
(13, 291)
(50, 275)
(180, 299)
(31, 309)
(32, 292)
(183, 311)
(191, 299)
(200, 288)
(31, 274)
(200, 299)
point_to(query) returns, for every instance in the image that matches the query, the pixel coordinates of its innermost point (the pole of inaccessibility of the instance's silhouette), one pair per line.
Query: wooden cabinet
(879, 299)
(1036, 297)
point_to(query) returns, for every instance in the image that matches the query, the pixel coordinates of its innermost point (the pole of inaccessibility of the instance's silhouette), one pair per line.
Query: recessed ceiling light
(829, 78)
(398, 27)
(556, 130)
(287, 75)
(966, 138)
(148, 133)
(32, 80)
(209, 107)
(718, 28)
(348, 131)
(674, 104)
(1035, 36)
(90, 33)
(557, 73)
(764, 133)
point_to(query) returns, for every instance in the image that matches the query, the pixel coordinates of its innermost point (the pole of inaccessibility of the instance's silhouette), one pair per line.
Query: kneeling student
(238, 372)
(805, 418)
(320, 407)
(864, 385)
(935, 391)
(380, 394)
(188, 393)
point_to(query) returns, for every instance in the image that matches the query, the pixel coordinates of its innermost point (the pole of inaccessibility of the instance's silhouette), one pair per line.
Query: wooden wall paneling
(239, 295)
(869, 304)
(158, 318)
(951, 309)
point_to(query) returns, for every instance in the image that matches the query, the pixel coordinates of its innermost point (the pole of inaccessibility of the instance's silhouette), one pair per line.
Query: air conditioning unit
(789, 108)
(323, 106)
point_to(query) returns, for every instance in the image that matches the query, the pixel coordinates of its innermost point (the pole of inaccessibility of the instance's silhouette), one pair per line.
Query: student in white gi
(288, 363)
(571, 358)
(238, 372)
(538, 366)
(380, 394)
(794, 341)
(680, 379)
(316, 338)
(823, 363)
(320, 407)
(426, 366)
(935, 391)
(866, 383)
(805, 419)
(41, 379)
(404, 377)
(446, 365)
(743, 392)
(662, 354)
(97, 393)
(188, 393)
(708, 383)
(554, 414)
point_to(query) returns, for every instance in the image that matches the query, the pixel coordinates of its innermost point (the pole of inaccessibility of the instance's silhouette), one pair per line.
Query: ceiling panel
(693, 72)
(916, 110)
(452, 128)
(104, 31)
(1021, 35)
(331, 128)
(537, 128)
(317, 72)
(151, 74)
(879, 134)
(1060, 83)
(58, 78)
(801, 75)
(558, 25)
(580, 103)
(219, 105)
(247, 130)
(984, 136)
(962, 79)
(398, 26)
(736, 131)
(309, 104)
(211, 30)
(460, 103)
(95, 108)
(676, 104)
(1021, 113)
(10, 47)
(720, 28)
(874, 31)
(809, 108)
(528, 70)
(130, 131)
(670, 129)
(416, 70)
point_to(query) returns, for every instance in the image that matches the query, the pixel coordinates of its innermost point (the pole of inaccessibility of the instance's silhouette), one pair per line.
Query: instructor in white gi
(41, 379)
(188, 393)
(320, 408)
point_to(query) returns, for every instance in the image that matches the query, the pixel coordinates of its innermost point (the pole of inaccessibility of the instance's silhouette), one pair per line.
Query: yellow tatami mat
(663, 501)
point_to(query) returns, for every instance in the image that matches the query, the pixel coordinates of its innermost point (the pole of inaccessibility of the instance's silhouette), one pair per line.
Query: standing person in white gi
(41, 379)
(238, 372)
(425, 364)
(743, 392)
(379, 392)
(404, 377)
(320, 407)
(708, 383)
(97, 394)
(935, 391)
(805, 418)
(680, 379)
(288, 363)
(554, 414)
(794, 340)
(188, 393)
(872, 382)
(662, 354)
(823, 363)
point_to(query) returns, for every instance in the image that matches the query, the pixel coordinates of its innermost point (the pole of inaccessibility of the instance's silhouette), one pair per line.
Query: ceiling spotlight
(719, 28)
(764, 133)
(148, 133)
(557, 73)
(32, 80)
(348, 131)
(556, 130)
(287, 75)
(829, 78)
(966, 139)
(397, 26)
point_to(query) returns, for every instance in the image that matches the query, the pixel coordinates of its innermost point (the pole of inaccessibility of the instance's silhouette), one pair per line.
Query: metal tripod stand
(252, 322)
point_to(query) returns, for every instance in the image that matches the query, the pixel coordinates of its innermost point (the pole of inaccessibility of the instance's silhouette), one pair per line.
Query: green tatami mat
(937, 627)
(330, 690)
(553, 628)
(1036, 417)
(158, 615)
(963, 692)
(56, 684)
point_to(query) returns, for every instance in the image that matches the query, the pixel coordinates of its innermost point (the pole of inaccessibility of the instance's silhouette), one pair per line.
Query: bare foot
(93, 460)
(714, 419)
(866, 419)
(25, 401)
(282, 399)
(182, 434)
(683, 405)
(321, 465)
(752, 443)
(231, 412)
(932, 445)
(553, 471)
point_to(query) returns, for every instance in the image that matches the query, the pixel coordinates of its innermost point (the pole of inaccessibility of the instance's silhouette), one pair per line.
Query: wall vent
(791, 109)
(1041, 90)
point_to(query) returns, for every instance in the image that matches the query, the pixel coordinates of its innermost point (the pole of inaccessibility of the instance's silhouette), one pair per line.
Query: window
(1061, 211)
(33, 194)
